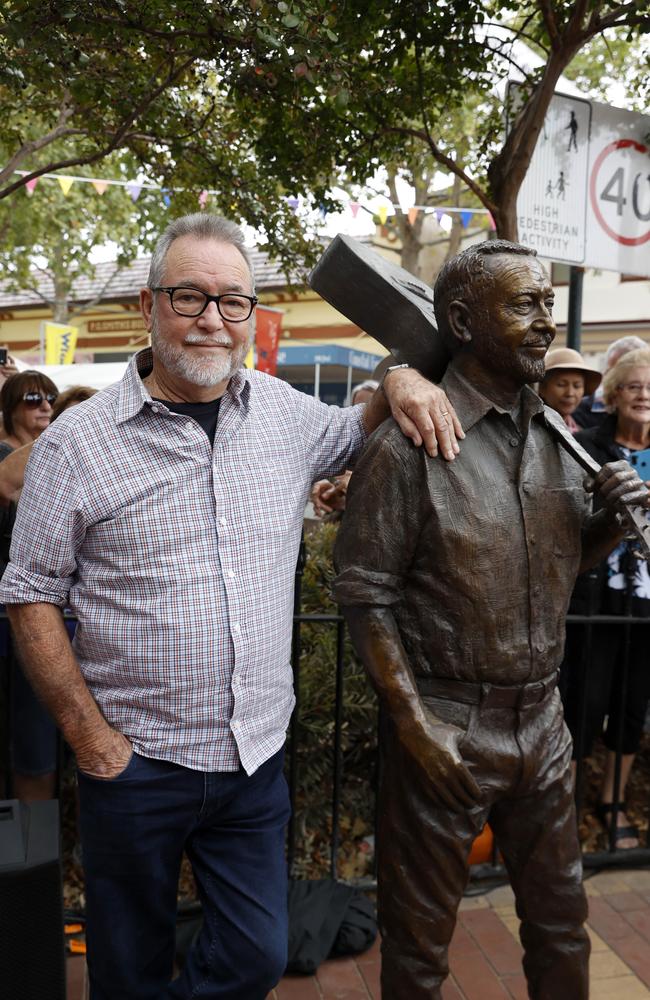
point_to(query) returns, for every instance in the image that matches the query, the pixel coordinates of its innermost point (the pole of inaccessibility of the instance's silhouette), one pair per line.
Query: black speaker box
(32, 946)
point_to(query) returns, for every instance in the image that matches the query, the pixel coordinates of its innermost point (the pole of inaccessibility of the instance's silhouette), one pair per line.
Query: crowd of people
(142, 513)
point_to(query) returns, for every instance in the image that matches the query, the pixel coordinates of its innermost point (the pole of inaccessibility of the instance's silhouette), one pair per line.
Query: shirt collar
(133, 395)
(471, 405)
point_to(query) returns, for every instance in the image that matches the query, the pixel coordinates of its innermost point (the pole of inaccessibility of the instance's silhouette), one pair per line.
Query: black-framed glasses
(188, 301)
(35, 399)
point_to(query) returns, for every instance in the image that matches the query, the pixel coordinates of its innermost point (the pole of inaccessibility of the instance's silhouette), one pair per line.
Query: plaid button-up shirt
(178, 558)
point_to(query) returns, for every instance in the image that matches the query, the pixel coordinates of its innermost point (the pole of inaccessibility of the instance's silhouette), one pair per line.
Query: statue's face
(514, 325)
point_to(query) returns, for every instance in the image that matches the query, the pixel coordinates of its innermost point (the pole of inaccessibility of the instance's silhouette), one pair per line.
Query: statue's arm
(375, 548)
(432, 744)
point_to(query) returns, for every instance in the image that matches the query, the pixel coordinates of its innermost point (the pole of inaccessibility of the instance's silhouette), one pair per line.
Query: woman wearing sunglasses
(26, 402)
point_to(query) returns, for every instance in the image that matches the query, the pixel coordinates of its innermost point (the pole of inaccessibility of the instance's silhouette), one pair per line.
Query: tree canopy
(261, 100)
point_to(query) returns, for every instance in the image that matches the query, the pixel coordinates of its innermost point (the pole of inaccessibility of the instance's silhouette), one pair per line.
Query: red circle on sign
(628, 241)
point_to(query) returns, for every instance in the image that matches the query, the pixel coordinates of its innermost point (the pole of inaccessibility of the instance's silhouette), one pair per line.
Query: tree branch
(445, 160)
(120, 137)
(618, 16)
(99, 296)
(60, 131)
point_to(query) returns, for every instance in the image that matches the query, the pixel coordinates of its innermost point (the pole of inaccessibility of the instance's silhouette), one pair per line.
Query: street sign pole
(574, 315)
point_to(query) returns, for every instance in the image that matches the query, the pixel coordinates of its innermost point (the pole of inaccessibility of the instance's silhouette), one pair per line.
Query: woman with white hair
(591, 410)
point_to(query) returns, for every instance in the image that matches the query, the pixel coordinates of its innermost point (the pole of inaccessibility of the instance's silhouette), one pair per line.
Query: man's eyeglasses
(232, 307)
(35, 399)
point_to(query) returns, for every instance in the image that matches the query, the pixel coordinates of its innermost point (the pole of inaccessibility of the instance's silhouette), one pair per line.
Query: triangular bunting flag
(354, 208)
(99, 186)
(293, 203)
(413, 214)
(66, 183)
(134, 191)
(203, 197)
(466, 217)
(167, 199)
(382, 212)
(438, 214)
(30, 185)
(493, 224)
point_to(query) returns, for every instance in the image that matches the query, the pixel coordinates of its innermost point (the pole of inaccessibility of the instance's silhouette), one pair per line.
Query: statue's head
(494, 301)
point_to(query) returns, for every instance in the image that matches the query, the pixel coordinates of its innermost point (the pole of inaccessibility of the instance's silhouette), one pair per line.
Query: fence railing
(612, 856)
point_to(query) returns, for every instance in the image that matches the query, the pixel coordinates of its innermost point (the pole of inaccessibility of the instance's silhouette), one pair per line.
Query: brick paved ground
(486, 955)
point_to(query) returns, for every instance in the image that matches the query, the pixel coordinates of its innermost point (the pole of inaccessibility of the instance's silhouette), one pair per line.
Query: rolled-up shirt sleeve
(382, 521)
(49, 530)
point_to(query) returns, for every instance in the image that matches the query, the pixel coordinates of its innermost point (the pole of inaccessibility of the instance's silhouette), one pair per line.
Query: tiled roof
(127, 282)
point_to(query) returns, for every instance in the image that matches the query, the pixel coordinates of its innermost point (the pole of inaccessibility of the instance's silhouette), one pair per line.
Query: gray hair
(625, 364)
(370, 383)
(465, 277)
(620, 347)
(202, 226)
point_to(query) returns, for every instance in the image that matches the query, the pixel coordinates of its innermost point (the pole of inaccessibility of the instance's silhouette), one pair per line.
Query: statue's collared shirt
(178, 557)
(476, 558)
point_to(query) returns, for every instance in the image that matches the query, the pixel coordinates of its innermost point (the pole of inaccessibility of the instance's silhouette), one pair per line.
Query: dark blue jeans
(134, 829)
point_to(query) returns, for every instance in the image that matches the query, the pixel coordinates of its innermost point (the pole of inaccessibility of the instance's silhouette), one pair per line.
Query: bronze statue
(455, 579)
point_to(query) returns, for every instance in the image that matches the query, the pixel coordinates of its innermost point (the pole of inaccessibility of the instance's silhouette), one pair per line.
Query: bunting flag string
(385, 208)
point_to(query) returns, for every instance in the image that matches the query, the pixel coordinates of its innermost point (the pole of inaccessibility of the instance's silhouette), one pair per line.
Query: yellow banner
(60, 343)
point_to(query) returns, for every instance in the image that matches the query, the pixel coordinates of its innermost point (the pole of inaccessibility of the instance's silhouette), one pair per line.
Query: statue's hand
(618, 483)
(434, 747)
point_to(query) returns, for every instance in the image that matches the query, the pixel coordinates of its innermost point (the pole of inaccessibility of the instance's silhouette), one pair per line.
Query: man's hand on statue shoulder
(107, 758)
(423, 412)
(434, 747)
(618, 483)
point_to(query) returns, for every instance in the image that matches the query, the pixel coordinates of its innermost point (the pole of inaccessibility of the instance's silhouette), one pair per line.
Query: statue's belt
(518, 696)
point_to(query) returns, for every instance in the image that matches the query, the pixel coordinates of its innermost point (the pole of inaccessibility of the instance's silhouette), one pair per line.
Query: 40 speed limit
(619, 190)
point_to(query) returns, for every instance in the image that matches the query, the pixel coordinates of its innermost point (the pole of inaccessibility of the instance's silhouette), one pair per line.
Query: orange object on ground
(482, 847)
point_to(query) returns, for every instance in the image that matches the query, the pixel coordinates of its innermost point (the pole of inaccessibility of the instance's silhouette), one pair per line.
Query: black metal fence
(611, 856)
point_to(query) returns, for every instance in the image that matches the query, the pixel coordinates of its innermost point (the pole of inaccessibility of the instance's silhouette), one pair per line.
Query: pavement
(485, 954)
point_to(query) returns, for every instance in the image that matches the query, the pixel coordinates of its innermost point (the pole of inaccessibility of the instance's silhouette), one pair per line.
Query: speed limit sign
(619, 191)
(618, 197)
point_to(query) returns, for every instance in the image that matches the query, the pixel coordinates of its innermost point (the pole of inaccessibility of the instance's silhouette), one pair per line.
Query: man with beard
(174, 510)
(455, 580)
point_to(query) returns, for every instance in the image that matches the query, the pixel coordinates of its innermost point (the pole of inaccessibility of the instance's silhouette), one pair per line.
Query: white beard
(193, 368)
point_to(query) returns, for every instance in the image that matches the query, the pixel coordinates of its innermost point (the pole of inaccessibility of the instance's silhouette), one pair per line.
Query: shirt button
(236, 627)
(532, 540)
(155, 409)
(231, 574)
(526, 489)
(513, 442)
(189, 424)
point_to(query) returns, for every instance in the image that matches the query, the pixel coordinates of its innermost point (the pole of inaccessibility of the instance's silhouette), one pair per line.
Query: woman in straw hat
(567, 380)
